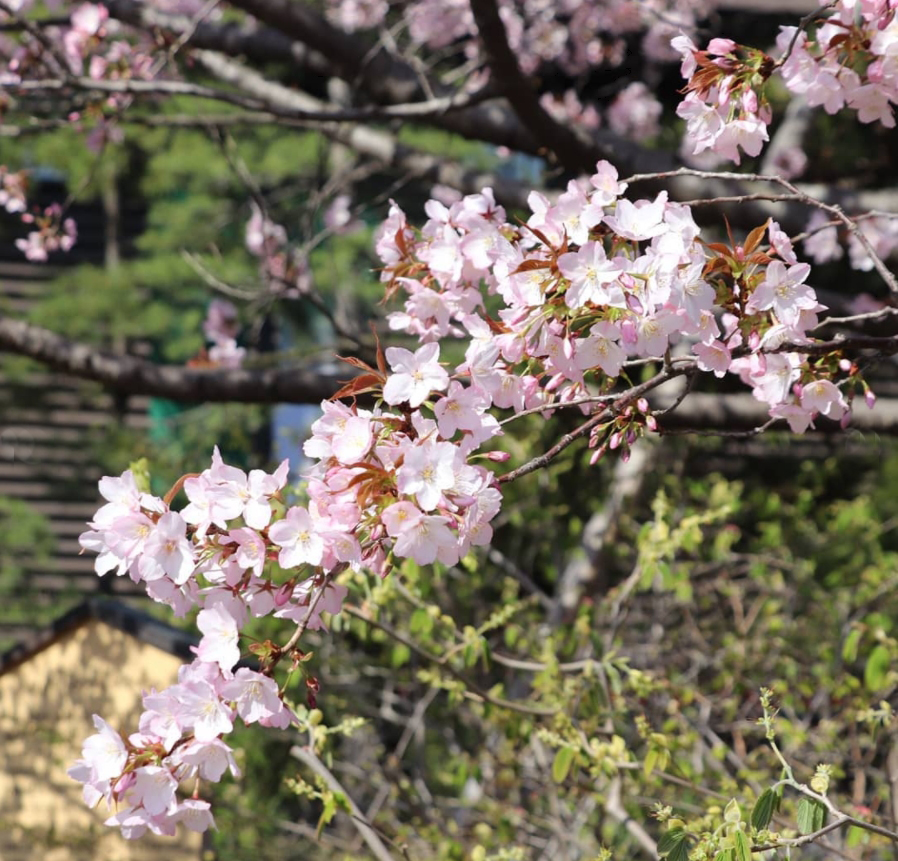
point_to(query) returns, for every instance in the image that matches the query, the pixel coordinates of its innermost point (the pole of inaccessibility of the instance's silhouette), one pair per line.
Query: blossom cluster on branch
(588, 283)
(594, 280)
(561, 310)
(851, 60)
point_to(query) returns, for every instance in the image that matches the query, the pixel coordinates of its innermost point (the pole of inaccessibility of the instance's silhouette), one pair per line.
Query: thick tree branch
(305, 107)
(740, 414)
(256, 44)
(135, 376)
(574, 153)
(385, 78)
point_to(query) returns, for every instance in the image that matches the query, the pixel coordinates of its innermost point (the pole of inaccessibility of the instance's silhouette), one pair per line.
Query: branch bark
(576, 154)
(385, 78)
(135, 376)
(256, 44)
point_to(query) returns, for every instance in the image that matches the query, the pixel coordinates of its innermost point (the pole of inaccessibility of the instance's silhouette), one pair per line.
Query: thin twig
(367, 831)
(473, 692)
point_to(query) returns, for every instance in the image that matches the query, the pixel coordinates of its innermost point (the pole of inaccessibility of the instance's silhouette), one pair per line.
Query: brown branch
(305, 107)
(256, 44)
(627, 397)
(136, 376)
(574, 153)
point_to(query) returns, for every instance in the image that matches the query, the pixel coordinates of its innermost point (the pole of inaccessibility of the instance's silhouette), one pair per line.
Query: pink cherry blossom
(255, 696)
(220, 643)
(298, 539)
(415, 375)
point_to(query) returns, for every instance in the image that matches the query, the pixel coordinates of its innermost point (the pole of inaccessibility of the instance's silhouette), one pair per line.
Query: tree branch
(385, 78)
(136, 376)
(256, 44)
(363, 826)
(574, 153)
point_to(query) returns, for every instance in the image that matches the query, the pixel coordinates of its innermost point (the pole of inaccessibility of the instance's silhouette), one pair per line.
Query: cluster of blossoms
(88, 43)
(722, 109)
(92, 44)
(593, 281)
(386, 485)
(851, 61)
(52, 233)
(589, 283)
(221, 328)
(12, 190)
(278, 262)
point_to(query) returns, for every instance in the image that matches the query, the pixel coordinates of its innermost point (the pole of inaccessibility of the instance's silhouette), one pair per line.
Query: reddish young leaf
(362, 383)
(753, 240)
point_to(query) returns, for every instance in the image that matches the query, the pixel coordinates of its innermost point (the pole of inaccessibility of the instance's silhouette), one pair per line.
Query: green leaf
(763, 810)
(400, 655)
(670, 839)
(854, 837)
(849, 649)
(562, 764)
(328, 813)
(811, 816)
(651, 759)
(420, 622)
(679, 853)
(743, 846)
(877, 668)
(673, 845)
(724, 855)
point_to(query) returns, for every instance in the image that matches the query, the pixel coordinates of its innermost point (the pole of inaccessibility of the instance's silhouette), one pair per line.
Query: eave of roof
(137, 623)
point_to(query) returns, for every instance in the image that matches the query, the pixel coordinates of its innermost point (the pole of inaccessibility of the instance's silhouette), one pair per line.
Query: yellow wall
(46, 708)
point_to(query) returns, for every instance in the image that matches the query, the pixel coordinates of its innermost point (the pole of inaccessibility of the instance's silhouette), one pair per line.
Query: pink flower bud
(845, 365)
(615, 440)
(651, 423)
(869, 398)
(498, 456)
(845, 420)
(642, 405)
(749, 101)
(283, 595)
(555, 382)
(754, 340)
(721, 46)
(634, 304)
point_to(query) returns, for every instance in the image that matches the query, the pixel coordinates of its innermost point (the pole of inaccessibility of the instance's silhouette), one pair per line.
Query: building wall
(46, 708)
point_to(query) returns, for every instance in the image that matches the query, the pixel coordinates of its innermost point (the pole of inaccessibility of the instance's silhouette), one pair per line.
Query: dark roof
(140, 625)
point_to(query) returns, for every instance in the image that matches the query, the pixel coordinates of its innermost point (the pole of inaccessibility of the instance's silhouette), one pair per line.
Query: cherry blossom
(415, 375)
